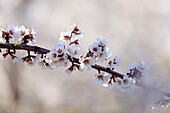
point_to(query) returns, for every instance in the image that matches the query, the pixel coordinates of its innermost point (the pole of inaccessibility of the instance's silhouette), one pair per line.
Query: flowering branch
(41, 50)
(66, 51)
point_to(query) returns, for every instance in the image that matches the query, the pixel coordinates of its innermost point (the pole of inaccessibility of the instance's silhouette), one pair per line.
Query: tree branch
(41, 50)
(24, 47)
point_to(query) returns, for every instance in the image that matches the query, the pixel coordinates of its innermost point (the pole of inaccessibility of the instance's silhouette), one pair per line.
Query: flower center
(59, 50)
(95, 49)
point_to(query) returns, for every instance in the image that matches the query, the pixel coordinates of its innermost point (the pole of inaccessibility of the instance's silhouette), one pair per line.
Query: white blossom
(62, 62)
(101, 42)
(72, 50)
(136, 70)
(60, 48)
(33, 34)
(99, 50)
(11, 29)
(52, 55)
(102, 78)
(104, 55)
(87, 62)
(2, 40)
(124, 83)
(75, 39)
(113, 62)
(127, 81)
(23, 30)
(65, 36)
(57, 60)
(42, 61)
(72, 27)
(58, 55)
(71, 36)
(17, 35)
(95, 49)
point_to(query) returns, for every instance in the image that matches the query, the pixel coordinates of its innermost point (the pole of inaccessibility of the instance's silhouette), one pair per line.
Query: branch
(41, 50)
(24, 47)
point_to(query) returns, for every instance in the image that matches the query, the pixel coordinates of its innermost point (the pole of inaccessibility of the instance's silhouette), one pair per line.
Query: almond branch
(41, 50)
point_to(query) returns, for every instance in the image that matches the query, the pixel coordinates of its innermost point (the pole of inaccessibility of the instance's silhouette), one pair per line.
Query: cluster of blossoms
(66, 54)
(134, 72)
(66, 49)
(61, 55)
(98, 51)
(17, 35)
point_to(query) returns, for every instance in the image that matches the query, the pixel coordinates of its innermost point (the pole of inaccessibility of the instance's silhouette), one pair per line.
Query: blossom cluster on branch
(66, 54)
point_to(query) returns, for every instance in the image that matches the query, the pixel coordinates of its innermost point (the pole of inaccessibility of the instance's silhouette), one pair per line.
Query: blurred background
(135, 30)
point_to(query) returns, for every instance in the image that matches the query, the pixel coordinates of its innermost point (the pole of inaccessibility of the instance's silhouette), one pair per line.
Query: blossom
(127, 81)
(104, 55)
(17, 35)
(23, 30)
(95, 49)
(99, 50)
(71, 36)
(52, 55)
(110, 82)
(58, 55)
(58, 52)
(5, 36)
(60, 48)
(124, 83)
(33, 34)
(101, 42)
(113, 62)
(28, 35)
(75, 39)
(136, 70)
(87, 62)
(64, 36)
(11, 29)
(72, 50)
(74, 29)
(62, 61)
(43, 62)
(58, 60)
(2, 40)
(102, 78)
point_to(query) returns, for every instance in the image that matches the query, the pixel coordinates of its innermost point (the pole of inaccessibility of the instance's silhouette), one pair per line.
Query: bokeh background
(135, 30)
